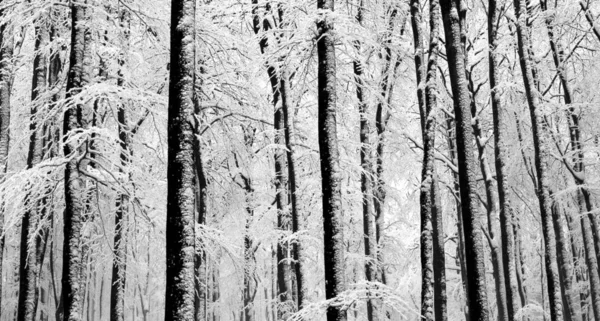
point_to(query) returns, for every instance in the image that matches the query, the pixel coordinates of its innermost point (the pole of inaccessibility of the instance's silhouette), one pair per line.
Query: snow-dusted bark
(30, 242)
(333, 225)
(119, 266)
(475, 256)
(542, 156)
(74, 196)
(366, 183)
(181, 171)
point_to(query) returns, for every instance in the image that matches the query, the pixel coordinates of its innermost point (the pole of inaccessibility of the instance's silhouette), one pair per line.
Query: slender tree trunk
(541, 158)
(283, 160)
(460, 249)
(333, 225)
(590, 18)
(366, 184)
(119, 266)
(501, 159)
(30, 241)
(74, 197)
(439, 255)
(180, 171)
(475, 258)
(572, 307)
(431, 90)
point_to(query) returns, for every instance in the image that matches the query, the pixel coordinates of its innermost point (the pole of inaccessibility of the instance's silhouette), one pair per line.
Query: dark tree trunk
(460, 248)
(541, 158)
(181, 170)
(201, 267)
(501, 159)
(74, 186)
(475, 257)
(29, 265)
(572, 307)
(427, 101)
(366, 183)
(284, 160)
(119, 266)
(439, 260)
(333, 225)
(439, 255)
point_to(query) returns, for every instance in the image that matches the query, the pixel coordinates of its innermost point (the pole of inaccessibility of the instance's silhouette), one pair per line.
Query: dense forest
(296, 160)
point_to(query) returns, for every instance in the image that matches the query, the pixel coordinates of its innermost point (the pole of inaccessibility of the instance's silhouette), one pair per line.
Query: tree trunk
(119, 266)
(590, 18)
(541, 158)
(283, 160)
(30, 241)
(333, 219)
(475, 257)
(501, 159)
(439, 255)
(460, 249)
(180, 171)
(366, 183)
(74, 186)
(572, 305)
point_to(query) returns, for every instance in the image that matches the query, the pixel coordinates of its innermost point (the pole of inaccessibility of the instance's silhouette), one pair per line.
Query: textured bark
(431, 89)
(541, 159)
(501, 159)
(475, 257)
(439, 255)
(30, 242)
(74, 196)
(366, 183)
(284, 179)
(201, 267)
(460, 249)
(426, 108)
(119, 265)
(333, 226)
(180, 171)
(250, 283)
(572, 305)
(494, 239)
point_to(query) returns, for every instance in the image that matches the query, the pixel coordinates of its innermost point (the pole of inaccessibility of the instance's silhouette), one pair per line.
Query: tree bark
(30, 241)
(475, 257)
(74, 197)
(119, 266)
(180, 171)
(333, 226)
(572, 305)
(501, 159)
(366, 183)
(541, 158)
